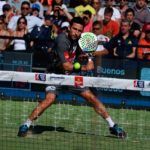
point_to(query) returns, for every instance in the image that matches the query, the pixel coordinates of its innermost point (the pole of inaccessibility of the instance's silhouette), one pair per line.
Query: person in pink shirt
(88, 21)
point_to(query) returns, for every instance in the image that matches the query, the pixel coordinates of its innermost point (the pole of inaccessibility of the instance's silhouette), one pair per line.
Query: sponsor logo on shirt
(40, 76)
(70, 56)
(138, 84)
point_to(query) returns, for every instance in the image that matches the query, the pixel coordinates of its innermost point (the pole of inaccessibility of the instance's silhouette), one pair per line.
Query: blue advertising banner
(16, 61)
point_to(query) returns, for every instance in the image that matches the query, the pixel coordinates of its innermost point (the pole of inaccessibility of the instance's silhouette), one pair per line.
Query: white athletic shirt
(31, 22)
(19, 45)
(116, 14)
(2, 3)
(101, 39)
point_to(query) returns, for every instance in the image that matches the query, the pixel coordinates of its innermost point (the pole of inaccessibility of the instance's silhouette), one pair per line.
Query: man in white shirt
(116, 14)
(2, 3)
(97, 26)
(31, 20)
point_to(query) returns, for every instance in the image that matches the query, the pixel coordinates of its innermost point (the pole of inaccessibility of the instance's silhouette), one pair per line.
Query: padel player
(68, 52)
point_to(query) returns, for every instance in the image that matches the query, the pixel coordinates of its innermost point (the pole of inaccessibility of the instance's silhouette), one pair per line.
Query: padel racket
(88, 42)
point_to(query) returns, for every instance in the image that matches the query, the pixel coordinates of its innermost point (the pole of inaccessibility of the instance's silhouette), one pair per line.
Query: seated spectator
(3, 32)
(123, 6)
(102, 39)
(31, 20)
(83, 7)
(60, 15)
(110, 27)
(143, 52)
(135, 27)
(7, 13)
(96, 4)
(54, 3)
(47, 3)
(16, 5)
(59, 3)
(87, 18)
(2, 2)
(64, 27)
(96, 29)
(42, 42)
(35, 3)
(20, 32)
(120, 46)
(116, 16)
(142, 13)
(35, 10)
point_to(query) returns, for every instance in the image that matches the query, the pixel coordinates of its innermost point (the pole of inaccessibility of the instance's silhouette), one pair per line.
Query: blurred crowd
(35, 24)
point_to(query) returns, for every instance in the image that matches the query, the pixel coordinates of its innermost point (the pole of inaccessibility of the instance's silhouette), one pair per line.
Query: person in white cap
(64, 27)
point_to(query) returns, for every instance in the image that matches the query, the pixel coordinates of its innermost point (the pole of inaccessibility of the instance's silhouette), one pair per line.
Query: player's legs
(101, 110)
(97, 105)
(42, 106)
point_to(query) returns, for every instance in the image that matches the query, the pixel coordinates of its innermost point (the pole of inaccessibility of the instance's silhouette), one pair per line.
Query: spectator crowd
(35, 24)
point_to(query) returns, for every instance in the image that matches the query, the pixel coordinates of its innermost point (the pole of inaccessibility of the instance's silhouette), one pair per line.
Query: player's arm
(108, 47)
(100, 53)
(88, 66)
(132, 55)
(67, 66)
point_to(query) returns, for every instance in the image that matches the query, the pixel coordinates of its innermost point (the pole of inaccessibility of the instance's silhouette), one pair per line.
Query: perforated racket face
(88, 42)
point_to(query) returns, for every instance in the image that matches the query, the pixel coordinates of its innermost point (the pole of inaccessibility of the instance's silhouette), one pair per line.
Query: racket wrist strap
(90, 59)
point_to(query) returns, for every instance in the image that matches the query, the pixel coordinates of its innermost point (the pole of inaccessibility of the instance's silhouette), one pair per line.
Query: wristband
(90, 59)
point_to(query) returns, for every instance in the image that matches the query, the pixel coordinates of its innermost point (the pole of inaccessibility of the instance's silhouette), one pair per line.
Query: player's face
(125, 27)
(76, 30)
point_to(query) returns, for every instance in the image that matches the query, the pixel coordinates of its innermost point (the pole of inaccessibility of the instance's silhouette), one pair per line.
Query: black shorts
(56, 89)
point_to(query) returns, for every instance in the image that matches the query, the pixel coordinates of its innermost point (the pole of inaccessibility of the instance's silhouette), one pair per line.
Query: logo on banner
(138, 83)
(55, 78)
(40, 77)
(78, 81)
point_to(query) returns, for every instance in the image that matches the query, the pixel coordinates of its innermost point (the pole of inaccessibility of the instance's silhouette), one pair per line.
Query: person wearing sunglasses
(31, 20)
(21, 31)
